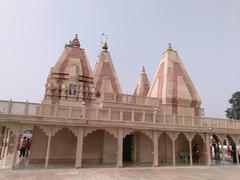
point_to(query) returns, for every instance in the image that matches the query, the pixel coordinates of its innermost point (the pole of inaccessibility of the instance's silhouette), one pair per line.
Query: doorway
(127, 148)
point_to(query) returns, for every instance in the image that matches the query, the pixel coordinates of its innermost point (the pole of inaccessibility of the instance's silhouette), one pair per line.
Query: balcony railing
(112, 114)
(129, 99)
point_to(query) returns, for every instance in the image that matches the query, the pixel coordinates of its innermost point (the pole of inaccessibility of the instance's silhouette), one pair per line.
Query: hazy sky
(206, 34)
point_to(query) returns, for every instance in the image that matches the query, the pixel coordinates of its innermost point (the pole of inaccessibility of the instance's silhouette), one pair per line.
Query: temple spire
(143, 84)
(173, 86)
(105, 76)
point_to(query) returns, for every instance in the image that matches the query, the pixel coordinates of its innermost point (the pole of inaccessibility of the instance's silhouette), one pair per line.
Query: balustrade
(114, 114)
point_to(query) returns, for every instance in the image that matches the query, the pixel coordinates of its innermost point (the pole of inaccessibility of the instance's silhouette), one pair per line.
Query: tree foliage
(234, 111)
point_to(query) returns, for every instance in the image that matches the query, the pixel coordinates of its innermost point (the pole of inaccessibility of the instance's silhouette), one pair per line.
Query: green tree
(234, 111)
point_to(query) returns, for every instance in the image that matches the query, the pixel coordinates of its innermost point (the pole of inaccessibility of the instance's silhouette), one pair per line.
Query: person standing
(28, 146)
(23, 147)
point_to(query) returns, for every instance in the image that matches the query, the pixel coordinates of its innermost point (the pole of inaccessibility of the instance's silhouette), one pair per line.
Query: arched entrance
(137, 150)
(99, 149)
(215, 150)
(197, 150)
(182, 150)
(38, 148)
(165, 150)
(229, 151)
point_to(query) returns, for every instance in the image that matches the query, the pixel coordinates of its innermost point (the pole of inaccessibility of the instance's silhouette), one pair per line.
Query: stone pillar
(174, 154)
(236, 150)
(17, 137)
(190, 152)
(10, 146)
(190, 137)
(222, 150)
(236, 141)
(155, 148)
(7, 143)
(4, 143)
(1, 140)
(208, 158)
(120, 148)
(173, 136)
(48, 150)
(15, 146)
(79, 148)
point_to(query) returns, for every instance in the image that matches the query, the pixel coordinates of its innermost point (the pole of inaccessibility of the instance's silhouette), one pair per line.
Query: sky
(205, 33)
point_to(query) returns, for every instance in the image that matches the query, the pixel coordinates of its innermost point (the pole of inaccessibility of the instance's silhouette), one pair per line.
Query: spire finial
(143, 70)
(75, 42)
(169, 46)
(104, 39)
(105, 46)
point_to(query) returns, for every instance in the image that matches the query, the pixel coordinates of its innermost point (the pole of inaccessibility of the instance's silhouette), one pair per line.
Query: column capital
(51, 130)
(173, 135)
(189, 136)
(235, 138)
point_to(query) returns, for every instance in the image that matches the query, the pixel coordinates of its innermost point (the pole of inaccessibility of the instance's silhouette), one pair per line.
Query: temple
(85, 120)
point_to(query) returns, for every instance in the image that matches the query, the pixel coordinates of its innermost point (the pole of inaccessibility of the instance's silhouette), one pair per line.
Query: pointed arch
(99, 147)
(111, 131)
(165, 149)
(149, 134)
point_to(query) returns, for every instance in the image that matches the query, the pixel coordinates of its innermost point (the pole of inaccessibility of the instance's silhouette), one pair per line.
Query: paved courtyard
(164, 173)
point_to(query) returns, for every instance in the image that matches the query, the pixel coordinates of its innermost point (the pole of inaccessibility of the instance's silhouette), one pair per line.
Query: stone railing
(129, 99)
(113, 114)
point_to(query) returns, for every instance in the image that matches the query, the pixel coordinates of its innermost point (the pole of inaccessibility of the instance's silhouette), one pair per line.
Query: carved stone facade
(84, 119)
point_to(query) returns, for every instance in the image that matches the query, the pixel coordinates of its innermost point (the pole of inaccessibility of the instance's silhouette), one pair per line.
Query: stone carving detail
(131, 131)
(189, 136)
(50, 130)
(112, 131)
(74, 130)
(173, 135)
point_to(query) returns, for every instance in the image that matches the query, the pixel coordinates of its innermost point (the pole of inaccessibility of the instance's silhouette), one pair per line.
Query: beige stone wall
(93, 147)
(109, 148)
(145, 149)
(164, 149)
(63, 146)
(99, 146)
(38, 147)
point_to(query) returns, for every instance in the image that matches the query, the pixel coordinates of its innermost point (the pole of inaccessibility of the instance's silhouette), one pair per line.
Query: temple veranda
(84, 119)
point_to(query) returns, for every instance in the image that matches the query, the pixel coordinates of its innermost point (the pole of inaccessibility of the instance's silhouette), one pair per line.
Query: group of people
(25, 147)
